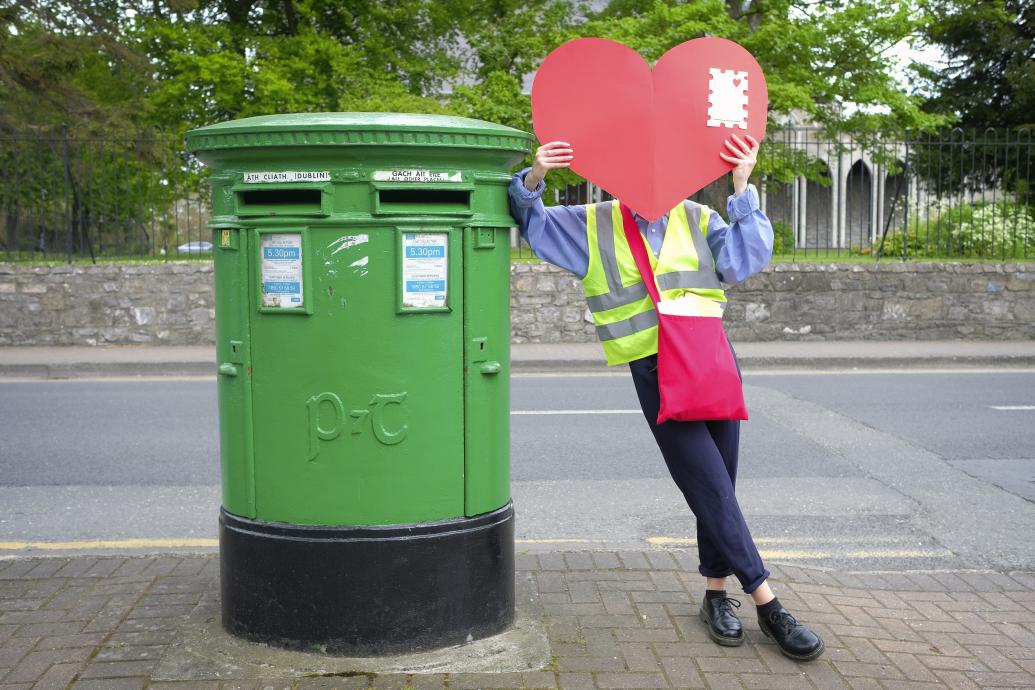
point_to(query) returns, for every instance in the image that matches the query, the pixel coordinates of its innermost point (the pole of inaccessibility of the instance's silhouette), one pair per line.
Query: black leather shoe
(794, 639)
(723, 625)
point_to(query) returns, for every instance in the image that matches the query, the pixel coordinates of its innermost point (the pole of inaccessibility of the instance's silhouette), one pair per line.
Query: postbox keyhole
(476, 349)
(237, 351)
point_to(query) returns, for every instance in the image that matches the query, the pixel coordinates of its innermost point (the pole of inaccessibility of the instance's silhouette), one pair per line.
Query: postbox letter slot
(252, 202)
(424, 200)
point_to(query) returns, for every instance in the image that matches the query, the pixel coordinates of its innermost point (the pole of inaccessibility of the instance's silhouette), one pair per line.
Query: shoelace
(726, 602)
(783, 619)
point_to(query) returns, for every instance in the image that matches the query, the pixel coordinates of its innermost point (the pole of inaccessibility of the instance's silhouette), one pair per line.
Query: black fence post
(905, 216)
(67, 186)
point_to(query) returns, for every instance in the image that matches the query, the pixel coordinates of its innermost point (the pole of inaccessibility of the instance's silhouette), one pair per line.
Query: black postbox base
(368, 591)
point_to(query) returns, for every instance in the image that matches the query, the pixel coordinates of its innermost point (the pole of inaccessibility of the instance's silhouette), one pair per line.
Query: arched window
(858, 205)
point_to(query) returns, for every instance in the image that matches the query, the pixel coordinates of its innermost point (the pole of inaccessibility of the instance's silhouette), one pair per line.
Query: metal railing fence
(963, 195)
(952, 195)
(69, 197)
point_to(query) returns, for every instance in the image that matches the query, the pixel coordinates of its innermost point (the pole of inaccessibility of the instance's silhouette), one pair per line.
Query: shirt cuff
(738, 207)
(519, 192)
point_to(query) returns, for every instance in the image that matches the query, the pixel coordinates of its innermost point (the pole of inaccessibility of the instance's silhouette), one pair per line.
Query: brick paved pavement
(614, 620)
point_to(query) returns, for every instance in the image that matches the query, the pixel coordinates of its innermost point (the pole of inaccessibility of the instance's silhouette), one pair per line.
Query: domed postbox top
(345, 129)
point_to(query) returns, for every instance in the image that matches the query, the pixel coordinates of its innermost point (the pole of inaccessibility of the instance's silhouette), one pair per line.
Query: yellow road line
(185, 543)
(107, 544)
(559, 541)
(655, 541)
(672, 541)
(107, 379)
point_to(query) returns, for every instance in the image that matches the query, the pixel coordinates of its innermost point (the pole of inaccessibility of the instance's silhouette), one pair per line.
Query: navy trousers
(702, 459)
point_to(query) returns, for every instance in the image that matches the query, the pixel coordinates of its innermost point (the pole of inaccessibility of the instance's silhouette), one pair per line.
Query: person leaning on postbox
(701, 455)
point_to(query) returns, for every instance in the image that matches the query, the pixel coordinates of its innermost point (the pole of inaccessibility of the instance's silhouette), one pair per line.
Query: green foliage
(104, 198)
(212, 72)
(824, 59)
(185, 63)
(106, 66)
(987, 80)
(982, 229)
(989, 76)
(497, 98)
(52, 73)
(513, 36)
(896, 244)
(1004, 229)
(783, 238)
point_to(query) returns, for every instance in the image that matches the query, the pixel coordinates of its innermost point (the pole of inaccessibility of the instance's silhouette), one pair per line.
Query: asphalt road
(856, 470)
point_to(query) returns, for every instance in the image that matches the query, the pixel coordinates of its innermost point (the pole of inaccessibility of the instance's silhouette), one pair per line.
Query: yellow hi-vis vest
(626, 321)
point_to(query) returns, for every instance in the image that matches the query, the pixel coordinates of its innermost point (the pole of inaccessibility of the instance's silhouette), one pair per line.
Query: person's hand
(744, 158)
(554, 154)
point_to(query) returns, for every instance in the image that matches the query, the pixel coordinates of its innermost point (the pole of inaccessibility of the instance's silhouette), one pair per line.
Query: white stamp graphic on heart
(728, 99)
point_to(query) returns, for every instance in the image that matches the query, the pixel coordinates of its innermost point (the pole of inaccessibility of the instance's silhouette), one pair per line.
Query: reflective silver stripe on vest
(704, 276)
(688, 279)
(617, 295)
(634, 324)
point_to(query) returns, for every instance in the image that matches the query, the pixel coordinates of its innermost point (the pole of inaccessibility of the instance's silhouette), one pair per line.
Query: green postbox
(362, 268)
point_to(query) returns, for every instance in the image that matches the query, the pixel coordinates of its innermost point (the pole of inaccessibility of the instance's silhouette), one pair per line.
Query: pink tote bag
(697, 375)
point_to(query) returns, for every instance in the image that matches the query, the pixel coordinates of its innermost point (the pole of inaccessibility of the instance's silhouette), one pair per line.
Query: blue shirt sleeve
(556, 234)
(745, 246)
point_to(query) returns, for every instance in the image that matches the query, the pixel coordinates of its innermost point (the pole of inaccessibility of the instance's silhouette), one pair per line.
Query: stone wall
(163, 304)
(173, 304)
(885, 301)
(547, 306)
(812, 301)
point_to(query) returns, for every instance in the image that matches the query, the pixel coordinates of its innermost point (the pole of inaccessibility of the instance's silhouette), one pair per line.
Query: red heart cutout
(644, 135)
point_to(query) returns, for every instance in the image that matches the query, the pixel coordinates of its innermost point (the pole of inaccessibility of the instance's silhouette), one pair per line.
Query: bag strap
(639, 252)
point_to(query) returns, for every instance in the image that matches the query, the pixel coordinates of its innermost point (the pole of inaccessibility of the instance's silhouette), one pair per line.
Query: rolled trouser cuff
(754, 584)
(709, 572)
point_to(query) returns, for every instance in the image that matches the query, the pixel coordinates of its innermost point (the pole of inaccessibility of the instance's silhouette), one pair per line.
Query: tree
(986, 87)
(81, 163)
(988, 79)
(513, 36)
(186, 63)
(67, 64)
(829, 60)
(190, 62)
(225, 59)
